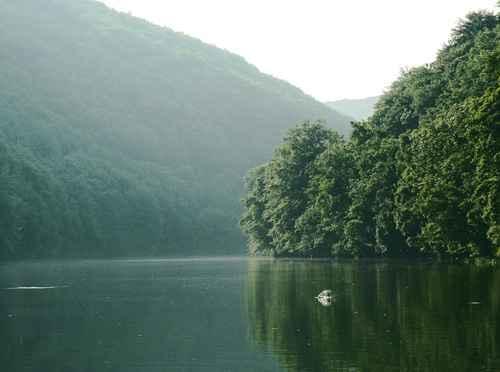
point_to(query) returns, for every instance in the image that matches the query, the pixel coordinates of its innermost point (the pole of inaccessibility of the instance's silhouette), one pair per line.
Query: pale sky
(331, 49)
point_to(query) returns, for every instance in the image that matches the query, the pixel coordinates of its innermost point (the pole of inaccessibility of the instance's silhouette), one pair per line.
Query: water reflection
(385, 317)
(325, 301)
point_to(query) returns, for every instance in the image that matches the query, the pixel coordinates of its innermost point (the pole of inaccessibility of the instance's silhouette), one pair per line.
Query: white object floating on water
(325, 297)
(35, 288)
(325, 293)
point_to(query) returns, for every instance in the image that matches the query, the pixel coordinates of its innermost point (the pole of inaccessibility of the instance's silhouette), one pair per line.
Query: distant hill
(358, 109)
(119, 137)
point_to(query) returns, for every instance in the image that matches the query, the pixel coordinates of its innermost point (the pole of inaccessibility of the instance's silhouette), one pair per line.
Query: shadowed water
(234, 314)
(385, 317)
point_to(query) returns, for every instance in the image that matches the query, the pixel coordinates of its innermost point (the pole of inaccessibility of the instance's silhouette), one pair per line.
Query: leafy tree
(419, 177)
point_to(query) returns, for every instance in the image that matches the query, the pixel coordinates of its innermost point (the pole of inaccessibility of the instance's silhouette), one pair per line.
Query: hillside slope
(118, 137)
(358, 109)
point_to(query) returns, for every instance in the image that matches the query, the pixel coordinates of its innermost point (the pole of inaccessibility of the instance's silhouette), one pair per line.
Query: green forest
(122, 138)
(420, 177)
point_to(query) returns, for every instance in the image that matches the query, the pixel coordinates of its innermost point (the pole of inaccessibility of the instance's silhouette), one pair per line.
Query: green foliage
(419, 177)
(279, 187)
(118, 137)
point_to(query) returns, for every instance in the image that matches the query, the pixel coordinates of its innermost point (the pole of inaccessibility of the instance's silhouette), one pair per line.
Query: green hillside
(358, 109)
(119, 137)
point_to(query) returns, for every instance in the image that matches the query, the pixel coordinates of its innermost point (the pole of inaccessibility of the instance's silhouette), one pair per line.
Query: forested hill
(118, 137)
(419, 177)
(359, 109)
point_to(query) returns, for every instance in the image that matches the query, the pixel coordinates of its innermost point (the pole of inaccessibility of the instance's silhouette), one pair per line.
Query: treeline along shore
(420, 177)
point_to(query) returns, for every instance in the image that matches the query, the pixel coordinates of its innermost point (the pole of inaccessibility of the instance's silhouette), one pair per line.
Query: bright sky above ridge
(331, 49)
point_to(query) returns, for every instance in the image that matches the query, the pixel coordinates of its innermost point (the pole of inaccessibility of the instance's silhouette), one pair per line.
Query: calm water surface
(236, 314)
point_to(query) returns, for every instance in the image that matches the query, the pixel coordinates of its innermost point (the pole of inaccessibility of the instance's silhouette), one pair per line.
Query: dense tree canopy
(421, 176)
(118, 137)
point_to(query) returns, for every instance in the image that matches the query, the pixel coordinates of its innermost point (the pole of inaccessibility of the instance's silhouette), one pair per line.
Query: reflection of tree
(387, 317)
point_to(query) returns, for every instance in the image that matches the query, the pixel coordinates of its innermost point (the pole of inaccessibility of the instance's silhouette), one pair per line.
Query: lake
(239, 314)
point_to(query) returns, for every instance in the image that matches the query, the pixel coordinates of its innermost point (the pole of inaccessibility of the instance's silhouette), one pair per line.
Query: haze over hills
(119, 137)
(359, 109)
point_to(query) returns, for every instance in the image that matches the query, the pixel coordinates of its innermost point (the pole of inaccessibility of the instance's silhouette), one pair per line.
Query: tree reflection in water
(387, 316)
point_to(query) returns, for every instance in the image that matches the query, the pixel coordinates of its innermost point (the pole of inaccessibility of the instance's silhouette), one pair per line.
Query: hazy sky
(331, 49)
